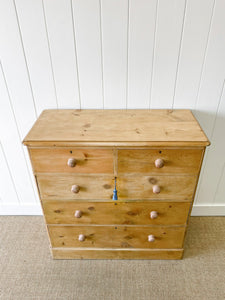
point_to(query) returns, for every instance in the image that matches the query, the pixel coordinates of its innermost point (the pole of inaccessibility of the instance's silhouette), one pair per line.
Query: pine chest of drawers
(153, 156)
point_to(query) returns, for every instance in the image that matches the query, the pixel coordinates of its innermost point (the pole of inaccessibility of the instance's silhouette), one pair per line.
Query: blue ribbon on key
(115, 197)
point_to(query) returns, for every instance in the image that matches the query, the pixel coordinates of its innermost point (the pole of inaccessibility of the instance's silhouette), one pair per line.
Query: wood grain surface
(52, 160)
(82, 253)
(121, 213)
(116, 236)
(58, 186)
(117, 126)
(171, 187)
(184, 161)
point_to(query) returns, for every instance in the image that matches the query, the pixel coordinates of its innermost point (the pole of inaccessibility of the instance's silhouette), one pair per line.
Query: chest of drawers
(116, 184)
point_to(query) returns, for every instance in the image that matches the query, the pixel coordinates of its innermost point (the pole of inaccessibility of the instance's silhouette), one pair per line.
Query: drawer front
(182, 161)
(58, 186)
(121, 213)
(117, 236)
(50, 160)
(170, 187)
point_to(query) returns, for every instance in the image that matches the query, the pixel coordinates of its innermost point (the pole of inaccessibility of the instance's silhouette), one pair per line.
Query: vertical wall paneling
(114, 39)
(213, 71)
(15, 69)
(20, 107)
(59, 23)
(218, 151)
(13, 149)
(32, 25)
(210, 181)
(88, 41)
(140, 52)
(170, 19)
(209, 98)
(7, 187)
(109, 54)
(219, 196)
(196, 31)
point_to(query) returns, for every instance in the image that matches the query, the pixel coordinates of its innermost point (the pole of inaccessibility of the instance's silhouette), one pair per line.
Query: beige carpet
(27, 270)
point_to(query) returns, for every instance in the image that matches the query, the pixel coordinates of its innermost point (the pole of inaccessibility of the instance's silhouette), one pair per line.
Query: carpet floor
(27, 270)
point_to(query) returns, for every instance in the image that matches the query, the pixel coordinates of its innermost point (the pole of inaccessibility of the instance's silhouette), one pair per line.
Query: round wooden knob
(156, 189)
(159, 163)
(78, 214)
(153, 214)
(75, 189)
(151, 238)
(81, 237)
(71, 162)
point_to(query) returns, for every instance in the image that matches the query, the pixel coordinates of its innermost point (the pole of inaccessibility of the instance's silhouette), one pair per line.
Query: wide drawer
(121, 213)
(117, 236)
(55, 160)
(182, 161)
(58, 186)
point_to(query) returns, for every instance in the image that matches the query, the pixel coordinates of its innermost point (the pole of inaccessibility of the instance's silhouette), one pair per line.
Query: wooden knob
(153, 214)
(81, 237)
(71, 162)
(159, 163)
(151, 238)
(75, 189)
(156, 189)
(78, 214)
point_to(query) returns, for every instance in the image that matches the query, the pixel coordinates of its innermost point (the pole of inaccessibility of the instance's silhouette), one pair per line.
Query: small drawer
(120, 213)
(179, 187)
(75, 187)
(116, 237)
(72, 160)
(159, 161)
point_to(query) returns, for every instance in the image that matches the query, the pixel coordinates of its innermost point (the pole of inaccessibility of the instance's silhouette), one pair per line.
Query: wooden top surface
(159, 127)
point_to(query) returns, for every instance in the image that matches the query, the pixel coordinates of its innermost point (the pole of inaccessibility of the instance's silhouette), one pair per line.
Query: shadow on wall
(206, 120)
(212, 179)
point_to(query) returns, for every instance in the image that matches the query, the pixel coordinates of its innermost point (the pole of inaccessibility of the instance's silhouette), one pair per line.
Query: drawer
(180, 187)
(117, 236)
(121, 213)
(58, 186)
(186, 161)
(55, 160)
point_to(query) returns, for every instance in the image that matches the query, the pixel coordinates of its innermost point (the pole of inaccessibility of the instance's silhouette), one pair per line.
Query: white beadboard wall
(110, 54)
